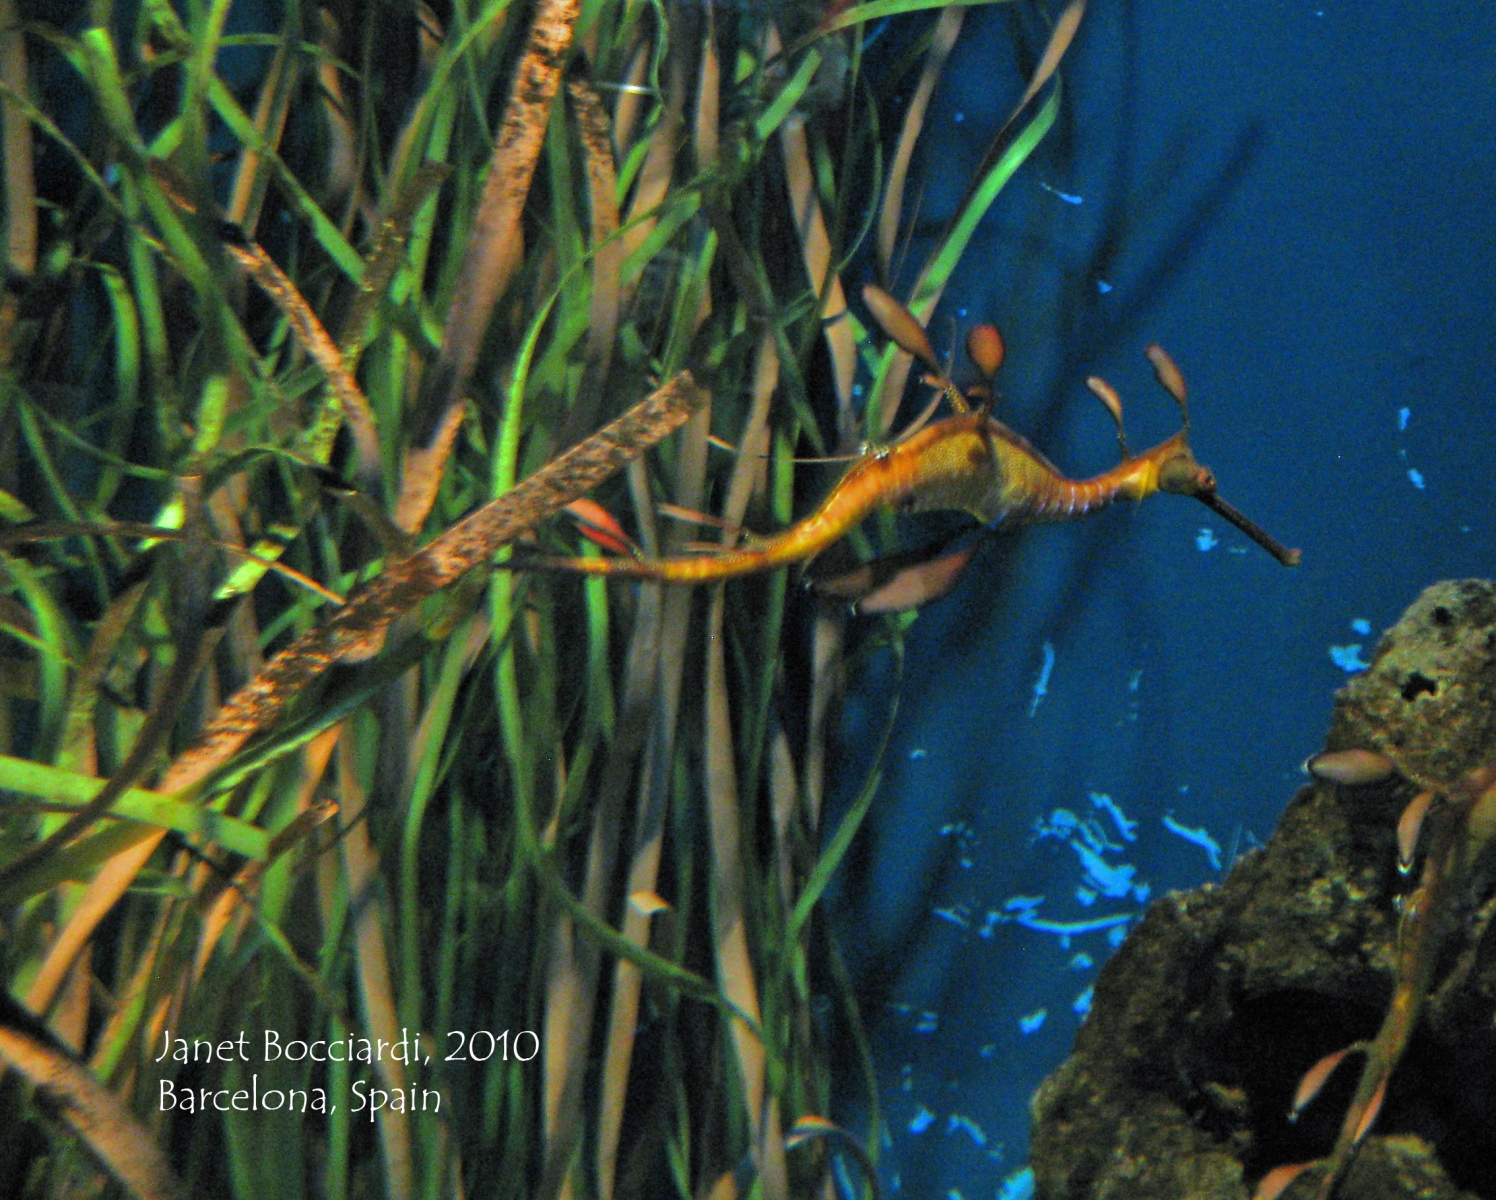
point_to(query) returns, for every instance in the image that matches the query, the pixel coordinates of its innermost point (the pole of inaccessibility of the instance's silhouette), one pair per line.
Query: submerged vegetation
(333, 862)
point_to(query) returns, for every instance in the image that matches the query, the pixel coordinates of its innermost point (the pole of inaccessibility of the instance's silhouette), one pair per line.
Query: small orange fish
(1350, 768)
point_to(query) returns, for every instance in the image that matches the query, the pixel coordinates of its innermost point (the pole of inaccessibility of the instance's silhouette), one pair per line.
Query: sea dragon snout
(1182, 475)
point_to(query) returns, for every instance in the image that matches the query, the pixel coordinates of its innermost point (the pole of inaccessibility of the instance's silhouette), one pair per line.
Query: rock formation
(1208, 1016)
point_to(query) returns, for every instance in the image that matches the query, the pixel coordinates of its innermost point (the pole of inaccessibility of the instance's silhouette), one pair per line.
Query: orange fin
(897, 582)
(1316, 1077)
(917, 585)
(597, 524)
(899, 323)
(1275, 1182)
(808, 1127)
(984, 346)
(1373, 1107)
(1107, 394)
(647, 902)
(1409, 826)
(1170, 377)
(692, 516)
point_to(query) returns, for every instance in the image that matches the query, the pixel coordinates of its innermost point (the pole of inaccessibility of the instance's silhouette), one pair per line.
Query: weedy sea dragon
(969, 462)
(1452, 826)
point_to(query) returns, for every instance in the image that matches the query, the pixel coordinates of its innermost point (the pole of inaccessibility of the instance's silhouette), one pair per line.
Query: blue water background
(1295, 199)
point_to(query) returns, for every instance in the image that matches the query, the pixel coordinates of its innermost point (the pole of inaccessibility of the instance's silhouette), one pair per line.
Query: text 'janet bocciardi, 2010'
(409, 1050)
